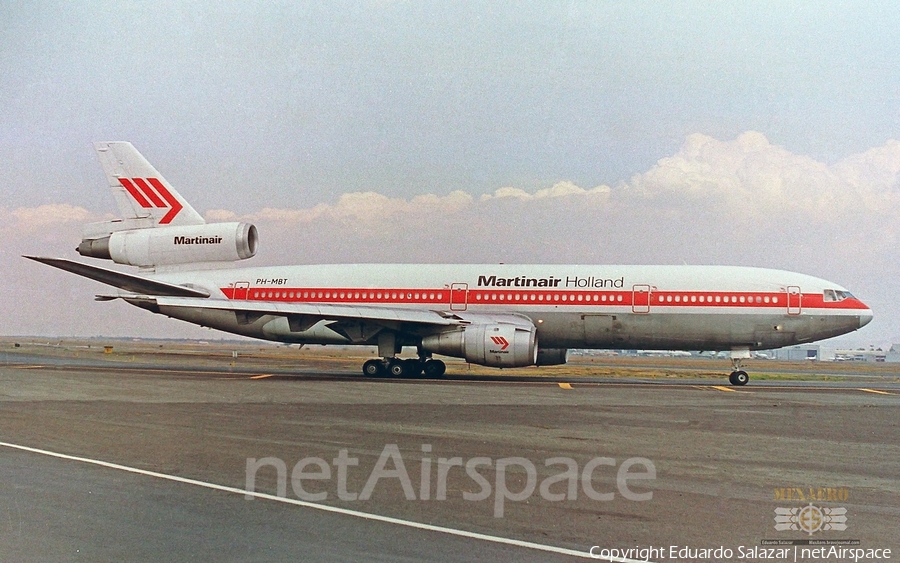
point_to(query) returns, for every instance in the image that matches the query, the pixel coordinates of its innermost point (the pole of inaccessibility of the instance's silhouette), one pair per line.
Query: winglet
(140, 190)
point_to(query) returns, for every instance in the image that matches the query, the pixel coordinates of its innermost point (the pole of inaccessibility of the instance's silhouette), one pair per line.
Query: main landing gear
(392, 366)
(738, 376)
(412, 367)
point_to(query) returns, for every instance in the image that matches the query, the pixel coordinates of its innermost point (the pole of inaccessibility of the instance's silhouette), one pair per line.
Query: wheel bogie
(410, 367)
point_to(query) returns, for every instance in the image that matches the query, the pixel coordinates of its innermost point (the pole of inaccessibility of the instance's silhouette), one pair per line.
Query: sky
(760, 134)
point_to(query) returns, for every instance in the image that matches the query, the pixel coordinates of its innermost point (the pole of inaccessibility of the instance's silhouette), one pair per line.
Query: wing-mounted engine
(502, 345)
(161, 246)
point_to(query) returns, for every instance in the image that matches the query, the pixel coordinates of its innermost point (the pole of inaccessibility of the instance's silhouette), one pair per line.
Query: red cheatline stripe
(529, 298)
(175, 205)
(148, 191)
(133, 192)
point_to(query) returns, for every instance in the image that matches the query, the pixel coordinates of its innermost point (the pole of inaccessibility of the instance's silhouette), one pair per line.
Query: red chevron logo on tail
(150, 192)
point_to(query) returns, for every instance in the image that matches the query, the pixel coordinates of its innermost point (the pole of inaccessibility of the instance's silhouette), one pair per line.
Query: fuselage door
(794, 299)
(459, 296)
(640, 298)
(241, 290)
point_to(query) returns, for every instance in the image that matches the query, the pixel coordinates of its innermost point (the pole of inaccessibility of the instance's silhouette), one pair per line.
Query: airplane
(498, 315)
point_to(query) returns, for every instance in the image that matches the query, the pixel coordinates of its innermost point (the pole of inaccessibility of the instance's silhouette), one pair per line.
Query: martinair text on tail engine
(197, 240)
(509, 318)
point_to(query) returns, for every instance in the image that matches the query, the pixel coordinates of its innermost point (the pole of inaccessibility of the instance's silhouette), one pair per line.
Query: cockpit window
(832, 295)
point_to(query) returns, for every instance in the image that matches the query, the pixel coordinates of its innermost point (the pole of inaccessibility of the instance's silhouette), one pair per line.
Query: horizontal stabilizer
(121, 280)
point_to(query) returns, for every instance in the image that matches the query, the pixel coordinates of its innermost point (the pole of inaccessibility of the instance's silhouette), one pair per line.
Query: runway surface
(724, 459)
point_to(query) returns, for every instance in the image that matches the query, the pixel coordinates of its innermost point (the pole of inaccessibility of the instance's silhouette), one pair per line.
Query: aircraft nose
(865, 317)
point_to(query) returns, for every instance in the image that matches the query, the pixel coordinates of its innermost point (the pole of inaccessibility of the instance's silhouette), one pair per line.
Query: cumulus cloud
(558, 190)
(751, 180)
(34, 219)
(357, 206)
(42, 230)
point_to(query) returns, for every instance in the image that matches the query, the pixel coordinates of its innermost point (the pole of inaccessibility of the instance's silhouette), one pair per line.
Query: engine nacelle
(552, 356)
(496, 345)
(215, 242)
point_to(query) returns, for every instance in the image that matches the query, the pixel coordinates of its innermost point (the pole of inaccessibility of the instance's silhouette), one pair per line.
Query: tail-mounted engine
(215, 242)
(496, 345)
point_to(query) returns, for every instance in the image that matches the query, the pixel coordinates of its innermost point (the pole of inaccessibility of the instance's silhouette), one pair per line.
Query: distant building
(809, 352)
(863, 355)
(893, 355)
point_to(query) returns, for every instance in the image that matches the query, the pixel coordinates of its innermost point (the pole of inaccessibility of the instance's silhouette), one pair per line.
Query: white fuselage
(577, 306)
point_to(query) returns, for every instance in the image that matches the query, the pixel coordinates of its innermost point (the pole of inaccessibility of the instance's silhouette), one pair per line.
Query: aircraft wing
(312, 311)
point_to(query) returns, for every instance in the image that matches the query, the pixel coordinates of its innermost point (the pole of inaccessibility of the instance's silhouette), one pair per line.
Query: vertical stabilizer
(140, 191)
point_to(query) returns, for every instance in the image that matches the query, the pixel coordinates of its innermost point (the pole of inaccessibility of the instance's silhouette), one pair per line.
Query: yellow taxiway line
(876, 391)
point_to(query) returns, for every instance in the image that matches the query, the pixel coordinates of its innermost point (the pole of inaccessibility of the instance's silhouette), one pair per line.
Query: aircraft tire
(435, 369)
(396, 368)
(739, 378)
(373, 368)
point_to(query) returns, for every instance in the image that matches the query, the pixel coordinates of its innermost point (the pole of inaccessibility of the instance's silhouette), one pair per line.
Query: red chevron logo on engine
(150, 192)
(500, 341)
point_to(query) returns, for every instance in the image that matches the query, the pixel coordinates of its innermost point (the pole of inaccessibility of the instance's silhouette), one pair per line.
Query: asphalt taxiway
(178, 442)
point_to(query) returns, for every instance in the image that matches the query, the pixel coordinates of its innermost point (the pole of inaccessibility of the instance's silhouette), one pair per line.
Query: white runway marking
(357, 514)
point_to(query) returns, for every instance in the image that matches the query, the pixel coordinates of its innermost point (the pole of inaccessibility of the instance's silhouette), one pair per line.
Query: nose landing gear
(738, 376)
